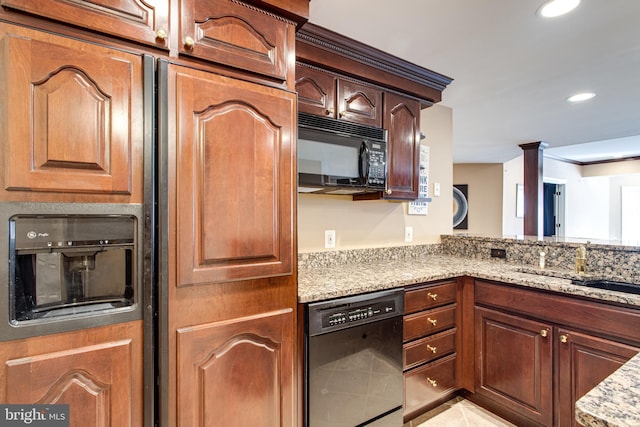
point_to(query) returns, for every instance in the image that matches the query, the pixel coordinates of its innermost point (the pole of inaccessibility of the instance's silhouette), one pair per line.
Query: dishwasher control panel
(345, 312)
(359, 313)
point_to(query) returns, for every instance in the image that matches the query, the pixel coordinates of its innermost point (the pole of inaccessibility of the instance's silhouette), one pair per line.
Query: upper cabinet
(238, 35)
(341, 78)
(326, 94)
(71, 116)
(141, 21)
(402, 120)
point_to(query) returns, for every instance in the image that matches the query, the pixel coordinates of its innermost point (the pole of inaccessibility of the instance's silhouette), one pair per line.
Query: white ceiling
(513, 70)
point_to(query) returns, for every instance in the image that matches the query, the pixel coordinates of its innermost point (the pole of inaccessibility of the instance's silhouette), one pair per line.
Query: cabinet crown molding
(330, 50)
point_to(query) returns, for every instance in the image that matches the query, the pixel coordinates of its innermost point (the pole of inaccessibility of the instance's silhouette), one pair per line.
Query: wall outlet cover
(329, 239)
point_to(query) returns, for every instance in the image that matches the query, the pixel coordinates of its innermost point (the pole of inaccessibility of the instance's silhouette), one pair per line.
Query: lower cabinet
(514, 360)
(583, 362)
(97, 372)
(537, 353)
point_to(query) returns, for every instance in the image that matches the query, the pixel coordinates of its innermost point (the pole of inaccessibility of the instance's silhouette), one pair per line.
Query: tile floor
(458, 412)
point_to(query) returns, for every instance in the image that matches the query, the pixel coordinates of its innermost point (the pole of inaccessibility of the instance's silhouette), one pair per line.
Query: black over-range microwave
(338, 157)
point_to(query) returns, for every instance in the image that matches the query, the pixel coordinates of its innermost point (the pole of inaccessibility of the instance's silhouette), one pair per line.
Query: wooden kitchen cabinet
(71, 118)
(232, 135)
(141, 21)
(514, 357)
(539, 352)
(402, 121)
(326, 94)
(224, 365)
(429, 349)
(227, 155)
(583, 362)
(96, 371)
(239, 35)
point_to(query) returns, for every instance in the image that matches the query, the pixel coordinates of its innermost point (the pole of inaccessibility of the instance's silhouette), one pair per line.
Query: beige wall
(513, 175)
(612, 168)
(381, 223)
(485, 181)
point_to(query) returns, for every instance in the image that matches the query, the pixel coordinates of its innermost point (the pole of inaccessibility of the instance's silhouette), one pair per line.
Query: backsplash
(352, 256)
(611, 261)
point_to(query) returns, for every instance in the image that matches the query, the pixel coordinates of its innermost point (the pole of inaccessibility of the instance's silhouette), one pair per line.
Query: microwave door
(365, 161)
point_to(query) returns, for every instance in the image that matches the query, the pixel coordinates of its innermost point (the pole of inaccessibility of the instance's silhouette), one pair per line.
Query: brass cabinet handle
(434, 322)
(342, 113)
(433, 350)
(432, 296)
(389, 191)
(330, 111)
(564, 338)
(433, 383)
(161, 34)
(544, 333)
(189, 42)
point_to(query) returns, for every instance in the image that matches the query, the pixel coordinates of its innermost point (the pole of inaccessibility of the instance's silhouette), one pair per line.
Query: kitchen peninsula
(327, 275)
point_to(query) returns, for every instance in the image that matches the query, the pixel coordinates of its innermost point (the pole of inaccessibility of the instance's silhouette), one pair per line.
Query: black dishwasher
(353, 361)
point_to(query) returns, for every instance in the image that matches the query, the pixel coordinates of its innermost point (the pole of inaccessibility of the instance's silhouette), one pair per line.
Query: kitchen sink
(609, 285)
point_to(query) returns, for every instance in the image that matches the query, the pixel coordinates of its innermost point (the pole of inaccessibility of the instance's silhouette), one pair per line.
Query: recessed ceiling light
(554, 8)
(579, 97)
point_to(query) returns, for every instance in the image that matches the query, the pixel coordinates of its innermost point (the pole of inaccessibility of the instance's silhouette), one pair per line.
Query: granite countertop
(321, 283)
(613, 403)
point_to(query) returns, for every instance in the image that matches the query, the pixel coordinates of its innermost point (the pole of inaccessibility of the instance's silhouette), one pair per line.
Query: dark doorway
(549, 208)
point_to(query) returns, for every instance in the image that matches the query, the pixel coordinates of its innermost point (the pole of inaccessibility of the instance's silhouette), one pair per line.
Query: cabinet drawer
(428, 322)
(429, 348)
(238, 35)
(428, 383)
(429, 297)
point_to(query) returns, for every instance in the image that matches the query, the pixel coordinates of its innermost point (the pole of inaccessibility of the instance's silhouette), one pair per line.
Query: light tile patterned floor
(459, 413)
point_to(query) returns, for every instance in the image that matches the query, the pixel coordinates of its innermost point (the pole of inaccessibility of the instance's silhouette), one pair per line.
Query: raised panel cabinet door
(402, 121)
(237, 34)
(514, 359)
(237, 372)
(359, 103)
(71, 116)
(96, 382)
(583, 362)
(145, 21)
(234, 177)
(316, 91)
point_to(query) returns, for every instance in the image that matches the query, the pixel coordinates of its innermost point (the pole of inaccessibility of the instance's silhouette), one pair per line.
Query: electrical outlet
(436, 189)
(329, 239)
(498, 253)
(408, 234)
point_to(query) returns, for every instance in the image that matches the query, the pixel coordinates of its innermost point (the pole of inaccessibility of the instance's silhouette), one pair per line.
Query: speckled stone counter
(615, 402)
(327, 275)
(316, 283)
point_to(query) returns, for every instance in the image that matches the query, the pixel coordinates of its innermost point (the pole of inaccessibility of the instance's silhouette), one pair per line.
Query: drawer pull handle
(434, 322)
(433, 383)
(161, 34)
(189, 42)
(433, 350)
(544, 333)
(564, 338)
(330, 111)
(432, 296)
